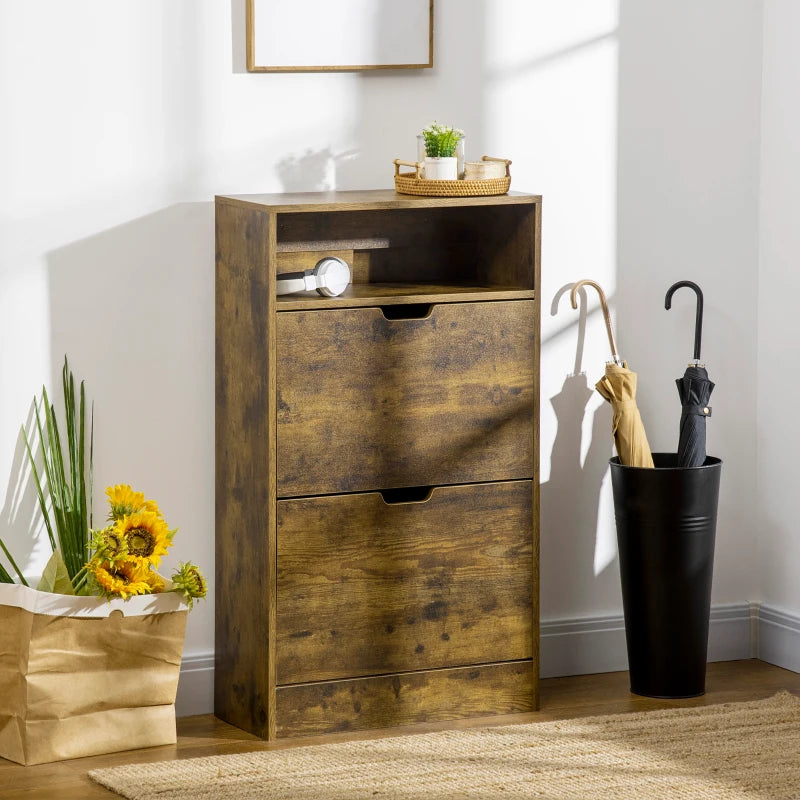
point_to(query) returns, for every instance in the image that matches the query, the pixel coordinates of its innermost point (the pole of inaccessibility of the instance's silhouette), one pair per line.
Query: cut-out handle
(407, 311)
(410, 494)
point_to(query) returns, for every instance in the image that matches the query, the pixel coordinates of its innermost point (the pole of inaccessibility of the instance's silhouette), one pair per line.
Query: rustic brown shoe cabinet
(376, 462)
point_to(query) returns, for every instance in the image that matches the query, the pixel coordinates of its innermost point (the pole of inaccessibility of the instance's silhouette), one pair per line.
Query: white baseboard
(196, 686)
(778, 638)
(582, 646)
(588, 645)
(597, 644)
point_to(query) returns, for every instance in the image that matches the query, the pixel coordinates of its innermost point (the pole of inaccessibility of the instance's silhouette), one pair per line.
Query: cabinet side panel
(537, 286)
(508, 248)
(245, 457)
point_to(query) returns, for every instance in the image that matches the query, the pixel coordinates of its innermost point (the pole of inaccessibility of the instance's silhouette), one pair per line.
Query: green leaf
(61, 487)
(80, 470)
(4, 576)
(55, 577)
(91, 472)
(32, 460)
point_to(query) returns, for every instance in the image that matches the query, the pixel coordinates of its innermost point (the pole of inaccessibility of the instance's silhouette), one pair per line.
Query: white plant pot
(441, 169)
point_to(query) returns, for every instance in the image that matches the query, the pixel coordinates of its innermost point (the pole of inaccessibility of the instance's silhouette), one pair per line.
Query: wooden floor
(562, 698)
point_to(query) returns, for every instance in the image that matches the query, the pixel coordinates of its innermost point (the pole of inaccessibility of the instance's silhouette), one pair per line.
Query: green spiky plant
(65, 499)
(441, 140)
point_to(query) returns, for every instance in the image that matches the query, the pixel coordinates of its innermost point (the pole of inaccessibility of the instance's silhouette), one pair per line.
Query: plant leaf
(91, 472)
(55, 577)
(80, 468)
(4, 576)
(32, 460)
(63, 483)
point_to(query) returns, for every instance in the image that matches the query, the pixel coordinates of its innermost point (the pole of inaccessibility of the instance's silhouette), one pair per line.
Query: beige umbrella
(618, 386)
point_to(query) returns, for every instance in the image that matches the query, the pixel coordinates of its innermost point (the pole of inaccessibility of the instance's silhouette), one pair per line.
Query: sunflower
(155, 581)
(151, 505)
(189, 581)
(123, 501)
(146, 535)
(123, 580)
(108, 545)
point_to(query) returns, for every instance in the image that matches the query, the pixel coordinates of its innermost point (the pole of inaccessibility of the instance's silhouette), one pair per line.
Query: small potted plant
(441, 143)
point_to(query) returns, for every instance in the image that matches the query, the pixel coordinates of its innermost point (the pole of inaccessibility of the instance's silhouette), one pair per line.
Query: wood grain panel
(245, 458)
(367, 199)
(391, 700)
(370, 403)
(371, 228)
(366, 588)
(534, 234)
(298, 260)
(417, 244)
(363, 295)
(507, 253)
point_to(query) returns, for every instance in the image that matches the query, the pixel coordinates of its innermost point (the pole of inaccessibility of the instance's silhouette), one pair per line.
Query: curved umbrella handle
(698, 321)
(573, 296)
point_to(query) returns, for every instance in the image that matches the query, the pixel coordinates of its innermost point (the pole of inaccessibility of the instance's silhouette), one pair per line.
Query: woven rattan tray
(414, 183)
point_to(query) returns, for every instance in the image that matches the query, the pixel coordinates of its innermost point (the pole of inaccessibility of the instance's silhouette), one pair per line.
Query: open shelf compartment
(413, 255)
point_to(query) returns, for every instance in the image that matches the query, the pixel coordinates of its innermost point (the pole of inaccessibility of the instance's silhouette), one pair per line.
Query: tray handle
(416, 164)
(503, 160)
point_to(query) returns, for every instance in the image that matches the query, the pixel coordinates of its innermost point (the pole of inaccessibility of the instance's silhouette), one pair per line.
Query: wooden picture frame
(338, 35)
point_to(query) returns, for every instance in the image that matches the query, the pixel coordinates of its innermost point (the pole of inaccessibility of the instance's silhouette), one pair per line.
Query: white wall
(688, 208)
(779, 290)
(636, 119)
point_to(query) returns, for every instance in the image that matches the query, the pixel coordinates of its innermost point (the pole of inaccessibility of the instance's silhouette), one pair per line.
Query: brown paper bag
(81, 676)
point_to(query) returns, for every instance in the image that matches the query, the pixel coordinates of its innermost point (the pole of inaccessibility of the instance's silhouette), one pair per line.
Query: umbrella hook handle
(698, 322)
(574, 300)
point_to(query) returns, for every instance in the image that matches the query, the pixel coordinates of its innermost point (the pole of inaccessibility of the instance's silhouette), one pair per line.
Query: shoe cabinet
(376, 462)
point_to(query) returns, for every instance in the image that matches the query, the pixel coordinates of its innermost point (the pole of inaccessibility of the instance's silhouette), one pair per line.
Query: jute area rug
(726, 752)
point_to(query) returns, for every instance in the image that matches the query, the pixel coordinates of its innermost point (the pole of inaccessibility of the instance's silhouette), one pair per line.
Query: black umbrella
(694, 389)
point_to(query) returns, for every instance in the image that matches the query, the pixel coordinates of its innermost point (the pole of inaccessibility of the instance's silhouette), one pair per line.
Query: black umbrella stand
(666, 526)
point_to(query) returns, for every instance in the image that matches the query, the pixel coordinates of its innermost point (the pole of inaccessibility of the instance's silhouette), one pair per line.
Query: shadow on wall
(687, 208)
(238, 37)
(454, 92)
(570, 498)
(21, 518)
(314, 171)
(384, 124)
(133, 307)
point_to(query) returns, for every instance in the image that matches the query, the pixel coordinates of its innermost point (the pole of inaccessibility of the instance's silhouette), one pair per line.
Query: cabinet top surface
(372, 198)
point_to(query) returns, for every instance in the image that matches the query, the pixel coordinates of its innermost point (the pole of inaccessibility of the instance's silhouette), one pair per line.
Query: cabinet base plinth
(388, 701)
